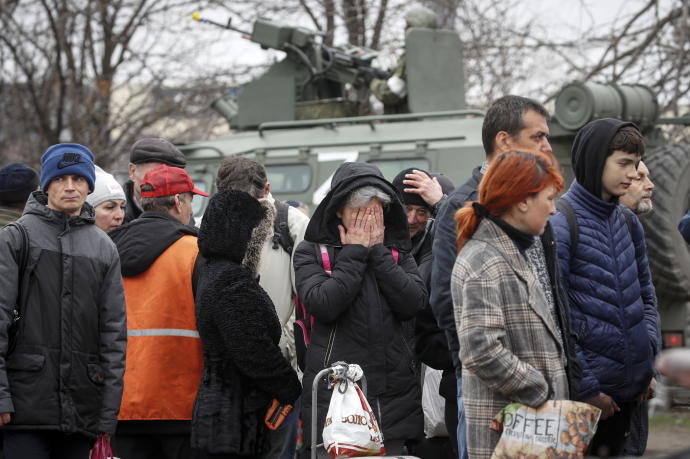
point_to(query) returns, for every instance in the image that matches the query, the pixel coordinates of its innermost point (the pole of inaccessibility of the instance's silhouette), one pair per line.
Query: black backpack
(23, 260)
(281, 229)
(567, 210)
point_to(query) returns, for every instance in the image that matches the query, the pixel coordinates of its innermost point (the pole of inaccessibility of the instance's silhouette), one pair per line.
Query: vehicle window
(391, 167)
(199, 202)
(289, 178)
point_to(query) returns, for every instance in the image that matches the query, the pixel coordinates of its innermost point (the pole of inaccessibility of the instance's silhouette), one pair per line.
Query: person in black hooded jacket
(358, 308)
(244, 368)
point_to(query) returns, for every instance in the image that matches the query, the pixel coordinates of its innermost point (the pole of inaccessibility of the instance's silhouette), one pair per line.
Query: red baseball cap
(168, 181)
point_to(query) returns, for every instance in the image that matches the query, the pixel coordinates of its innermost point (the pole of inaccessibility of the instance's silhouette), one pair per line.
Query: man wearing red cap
(158, 253)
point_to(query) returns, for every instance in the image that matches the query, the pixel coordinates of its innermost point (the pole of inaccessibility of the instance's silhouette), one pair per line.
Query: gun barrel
(197, 17)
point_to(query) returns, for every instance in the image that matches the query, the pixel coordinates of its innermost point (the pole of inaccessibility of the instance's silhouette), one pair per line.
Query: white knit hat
(106, 188)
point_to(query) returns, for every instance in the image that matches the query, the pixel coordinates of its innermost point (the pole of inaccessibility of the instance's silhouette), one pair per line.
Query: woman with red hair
(511, 342)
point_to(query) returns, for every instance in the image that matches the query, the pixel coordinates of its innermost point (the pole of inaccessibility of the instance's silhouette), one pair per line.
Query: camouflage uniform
(393, 90)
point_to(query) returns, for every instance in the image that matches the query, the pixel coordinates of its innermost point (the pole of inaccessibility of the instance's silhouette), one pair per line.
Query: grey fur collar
(260, 233)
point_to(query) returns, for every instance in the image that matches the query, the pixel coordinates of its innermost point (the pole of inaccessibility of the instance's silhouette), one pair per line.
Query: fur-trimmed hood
(235, 227)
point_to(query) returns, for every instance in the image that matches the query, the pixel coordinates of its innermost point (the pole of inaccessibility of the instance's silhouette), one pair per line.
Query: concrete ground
(669, 431)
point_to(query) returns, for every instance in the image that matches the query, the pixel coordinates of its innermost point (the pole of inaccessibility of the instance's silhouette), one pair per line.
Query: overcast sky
(555, 21)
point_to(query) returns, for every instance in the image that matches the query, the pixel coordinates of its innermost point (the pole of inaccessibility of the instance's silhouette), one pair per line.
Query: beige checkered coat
(508, 345)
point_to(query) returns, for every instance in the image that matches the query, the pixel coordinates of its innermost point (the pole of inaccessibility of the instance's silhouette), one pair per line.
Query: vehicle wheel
(669, 254)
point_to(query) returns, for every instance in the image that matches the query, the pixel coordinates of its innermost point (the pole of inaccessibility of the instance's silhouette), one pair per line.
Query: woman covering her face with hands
(360, 229)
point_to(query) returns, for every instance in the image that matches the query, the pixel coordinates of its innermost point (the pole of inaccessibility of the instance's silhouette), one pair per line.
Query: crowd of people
(121, 320)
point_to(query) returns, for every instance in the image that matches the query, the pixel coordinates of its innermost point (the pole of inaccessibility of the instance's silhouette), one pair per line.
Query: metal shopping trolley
(337, 371)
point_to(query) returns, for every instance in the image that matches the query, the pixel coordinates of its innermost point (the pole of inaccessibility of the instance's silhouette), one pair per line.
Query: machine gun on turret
(312, 81)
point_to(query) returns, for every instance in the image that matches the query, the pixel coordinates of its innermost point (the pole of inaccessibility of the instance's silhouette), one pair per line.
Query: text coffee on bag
(557, 429)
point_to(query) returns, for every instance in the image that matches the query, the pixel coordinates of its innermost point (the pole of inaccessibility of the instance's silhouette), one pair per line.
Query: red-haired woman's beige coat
(508, 345)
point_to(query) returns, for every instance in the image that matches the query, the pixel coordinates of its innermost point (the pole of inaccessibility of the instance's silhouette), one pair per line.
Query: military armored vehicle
(297, 119)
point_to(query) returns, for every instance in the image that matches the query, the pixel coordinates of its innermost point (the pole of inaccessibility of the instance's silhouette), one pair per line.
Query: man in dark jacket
(359, 308)
(638, 198)
(684, 227)
(164, 360)
(422, 193)
(613, 305)
(145, 155)
(17, 182)
(512, 122)
(61, 368)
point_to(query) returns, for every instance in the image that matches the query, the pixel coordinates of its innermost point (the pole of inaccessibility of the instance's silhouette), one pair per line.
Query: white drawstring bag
(351, 429)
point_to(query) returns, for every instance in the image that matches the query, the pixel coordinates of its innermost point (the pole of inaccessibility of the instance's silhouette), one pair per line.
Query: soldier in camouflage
(393, 90)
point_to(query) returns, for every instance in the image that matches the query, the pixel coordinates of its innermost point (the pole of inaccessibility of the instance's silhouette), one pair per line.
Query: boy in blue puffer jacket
(605, 272)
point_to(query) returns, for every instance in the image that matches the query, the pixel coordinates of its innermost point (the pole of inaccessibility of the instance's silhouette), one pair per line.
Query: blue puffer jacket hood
(612, 300)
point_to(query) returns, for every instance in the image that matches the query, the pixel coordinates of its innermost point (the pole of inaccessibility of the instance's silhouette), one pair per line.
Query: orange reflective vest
(164, 356)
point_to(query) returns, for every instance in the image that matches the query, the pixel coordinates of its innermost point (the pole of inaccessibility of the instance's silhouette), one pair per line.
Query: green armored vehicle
(299, 119)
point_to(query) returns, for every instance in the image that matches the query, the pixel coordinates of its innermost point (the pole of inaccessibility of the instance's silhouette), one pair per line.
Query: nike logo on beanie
(69, 159)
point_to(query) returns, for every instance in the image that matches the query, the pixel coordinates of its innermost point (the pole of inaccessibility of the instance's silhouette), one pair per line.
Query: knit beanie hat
(67, 159)
(17, 181)
(106, 189)
(409, 199)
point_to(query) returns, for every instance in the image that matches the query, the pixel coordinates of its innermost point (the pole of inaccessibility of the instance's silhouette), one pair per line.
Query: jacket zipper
(619, 293)
(413, 359)
(329, 348)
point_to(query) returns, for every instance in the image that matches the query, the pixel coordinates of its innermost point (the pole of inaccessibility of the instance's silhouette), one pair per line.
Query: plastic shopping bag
(433, 405)
(557, 429)
(351, 429)
(101, 449)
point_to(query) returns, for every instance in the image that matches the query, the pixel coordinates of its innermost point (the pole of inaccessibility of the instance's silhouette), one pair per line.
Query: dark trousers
(450, 415)
(152, 446)
(610, 438)
(636, 443)
(434, 448)
(45, 445)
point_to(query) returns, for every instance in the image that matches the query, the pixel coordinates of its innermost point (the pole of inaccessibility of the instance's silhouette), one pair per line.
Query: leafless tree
(647, 43)
(94, 72)
(106, 72)
(359, 22)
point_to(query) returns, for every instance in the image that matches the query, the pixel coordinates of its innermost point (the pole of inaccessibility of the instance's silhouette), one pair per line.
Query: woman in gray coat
(510, 343)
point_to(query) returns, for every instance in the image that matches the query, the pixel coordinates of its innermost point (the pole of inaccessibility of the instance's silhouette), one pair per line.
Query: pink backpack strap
(325, 260)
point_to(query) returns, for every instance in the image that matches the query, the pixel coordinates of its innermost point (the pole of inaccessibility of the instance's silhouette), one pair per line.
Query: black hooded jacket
(244, 368)
(359, 310)
(132, 210)
(590, 150)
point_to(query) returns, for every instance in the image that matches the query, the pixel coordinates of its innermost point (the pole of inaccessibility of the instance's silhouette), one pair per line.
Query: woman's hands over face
(377, 230)
(364, 225)
(359, 231)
